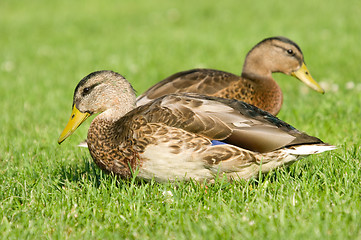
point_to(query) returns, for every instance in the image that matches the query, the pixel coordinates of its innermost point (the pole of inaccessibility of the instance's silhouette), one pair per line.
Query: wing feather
(234, 122)
(202, 81)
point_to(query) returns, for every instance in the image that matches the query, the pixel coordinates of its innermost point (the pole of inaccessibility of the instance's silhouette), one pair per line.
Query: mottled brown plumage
(175, 136)
(255, 86)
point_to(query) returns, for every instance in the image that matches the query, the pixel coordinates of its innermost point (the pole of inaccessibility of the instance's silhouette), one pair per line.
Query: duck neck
(106, 139)
(115, 113)
(108, 125)
(267, 94)
(257, 71)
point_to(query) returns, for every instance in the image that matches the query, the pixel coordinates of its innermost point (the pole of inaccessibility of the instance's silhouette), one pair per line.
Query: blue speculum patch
(215, 142)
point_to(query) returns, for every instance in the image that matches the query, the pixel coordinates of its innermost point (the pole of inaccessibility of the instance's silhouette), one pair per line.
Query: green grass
(56, 192)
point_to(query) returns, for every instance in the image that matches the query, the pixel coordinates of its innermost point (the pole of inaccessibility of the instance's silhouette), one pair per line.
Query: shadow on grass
(83, 171)
(86, 171)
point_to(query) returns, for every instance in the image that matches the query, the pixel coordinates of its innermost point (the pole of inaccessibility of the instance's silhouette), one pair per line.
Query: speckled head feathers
(101, 90)
(274, 54)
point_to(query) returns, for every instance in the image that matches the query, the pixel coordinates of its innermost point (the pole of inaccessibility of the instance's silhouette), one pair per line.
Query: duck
(255, 85)
(181, 136)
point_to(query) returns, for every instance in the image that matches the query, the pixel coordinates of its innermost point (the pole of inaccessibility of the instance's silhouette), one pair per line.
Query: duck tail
(310, 149)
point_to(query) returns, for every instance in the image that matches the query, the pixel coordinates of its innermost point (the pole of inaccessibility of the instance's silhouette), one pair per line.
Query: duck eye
(290, 51)
(86, 91)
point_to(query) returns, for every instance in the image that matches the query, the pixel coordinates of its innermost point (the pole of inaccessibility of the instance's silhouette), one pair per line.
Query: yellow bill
(304, 75)
(76, 118)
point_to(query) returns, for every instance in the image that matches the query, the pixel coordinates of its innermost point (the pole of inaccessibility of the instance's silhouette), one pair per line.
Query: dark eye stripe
(87, 90)
(289, 51)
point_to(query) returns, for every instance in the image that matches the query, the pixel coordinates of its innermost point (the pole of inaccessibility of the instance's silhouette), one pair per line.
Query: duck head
(104, 92)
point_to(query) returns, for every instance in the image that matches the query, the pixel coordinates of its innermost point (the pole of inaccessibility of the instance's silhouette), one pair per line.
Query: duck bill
(76, 118)
(304, 75)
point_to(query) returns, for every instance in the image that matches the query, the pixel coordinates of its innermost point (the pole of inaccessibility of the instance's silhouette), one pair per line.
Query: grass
(53, 192)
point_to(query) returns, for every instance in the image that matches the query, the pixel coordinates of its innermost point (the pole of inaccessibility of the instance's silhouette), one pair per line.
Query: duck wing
(226, 120)
(202, 81)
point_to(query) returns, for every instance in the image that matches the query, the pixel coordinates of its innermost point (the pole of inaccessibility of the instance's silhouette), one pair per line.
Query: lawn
(49, 191)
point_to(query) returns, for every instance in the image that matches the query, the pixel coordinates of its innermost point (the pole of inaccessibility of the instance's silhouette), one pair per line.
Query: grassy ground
(56, 192)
